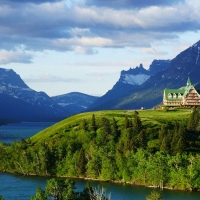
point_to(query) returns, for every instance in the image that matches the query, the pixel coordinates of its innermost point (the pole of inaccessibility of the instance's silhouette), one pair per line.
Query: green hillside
(150, 119)
(159, 148)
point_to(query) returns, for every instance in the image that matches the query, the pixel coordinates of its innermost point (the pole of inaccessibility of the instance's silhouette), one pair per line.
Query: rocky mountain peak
(196, 45)
(8, 77)
(158, 65)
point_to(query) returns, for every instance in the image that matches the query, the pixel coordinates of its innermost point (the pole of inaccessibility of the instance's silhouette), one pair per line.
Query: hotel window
(174, 96)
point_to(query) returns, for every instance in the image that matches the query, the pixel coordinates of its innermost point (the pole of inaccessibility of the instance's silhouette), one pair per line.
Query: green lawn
(150, 119)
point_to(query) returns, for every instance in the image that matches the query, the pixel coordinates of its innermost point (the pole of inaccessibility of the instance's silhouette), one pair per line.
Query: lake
(24, 130)
(14, 187)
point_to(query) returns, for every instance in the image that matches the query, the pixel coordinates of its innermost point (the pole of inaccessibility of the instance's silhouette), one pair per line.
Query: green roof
(178, 92)
(188, 82)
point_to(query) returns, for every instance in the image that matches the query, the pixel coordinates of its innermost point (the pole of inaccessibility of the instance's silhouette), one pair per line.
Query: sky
(63, 46)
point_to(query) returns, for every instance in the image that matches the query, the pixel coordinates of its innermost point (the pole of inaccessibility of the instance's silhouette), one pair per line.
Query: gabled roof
(188, 82)
(172, 91)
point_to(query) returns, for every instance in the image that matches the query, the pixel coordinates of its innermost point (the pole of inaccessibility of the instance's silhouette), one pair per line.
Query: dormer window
(174, 96)
(169, 95)
(179, 95)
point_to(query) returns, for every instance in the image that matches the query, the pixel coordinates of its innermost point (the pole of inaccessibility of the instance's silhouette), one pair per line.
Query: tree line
(103, 149)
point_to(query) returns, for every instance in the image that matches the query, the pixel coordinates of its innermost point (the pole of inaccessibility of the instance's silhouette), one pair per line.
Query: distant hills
(167, 74)
(74, 102)
(19, 102)
(136, 88)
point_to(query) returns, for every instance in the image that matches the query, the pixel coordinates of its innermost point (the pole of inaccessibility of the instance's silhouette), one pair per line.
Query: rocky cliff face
(149, 94)
(128, 81)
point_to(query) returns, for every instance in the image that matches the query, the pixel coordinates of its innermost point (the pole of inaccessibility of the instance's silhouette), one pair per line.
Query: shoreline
(100, 180)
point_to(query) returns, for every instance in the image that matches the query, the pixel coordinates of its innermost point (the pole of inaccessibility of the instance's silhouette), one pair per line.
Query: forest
(114, 146)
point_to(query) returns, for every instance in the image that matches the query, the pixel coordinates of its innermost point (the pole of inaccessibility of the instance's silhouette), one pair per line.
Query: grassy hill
(146, 147)
(150, 119)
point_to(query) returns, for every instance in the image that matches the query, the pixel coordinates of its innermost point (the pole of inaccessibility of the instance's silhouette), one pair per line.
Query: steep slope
(128, 81)
(149, 94)
(197, 87)
(18, 101)
(74, 102)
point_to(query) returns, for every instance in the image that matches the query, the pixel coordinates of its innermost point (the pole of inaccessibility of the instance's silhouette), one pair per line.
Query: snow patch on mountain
(135, 79)
(65, 104)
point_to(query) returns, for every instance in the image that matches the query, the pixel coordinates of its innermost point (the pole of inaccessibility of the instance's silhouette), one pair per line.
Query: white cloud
(52, 26)
(153, 51)
(46, 77)
(7, 57)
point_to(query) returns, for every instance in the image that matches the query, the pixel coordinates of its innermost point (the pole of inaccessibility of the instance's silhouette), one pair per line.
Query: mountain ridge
(128, 81)
(20, 102)
(149, 94)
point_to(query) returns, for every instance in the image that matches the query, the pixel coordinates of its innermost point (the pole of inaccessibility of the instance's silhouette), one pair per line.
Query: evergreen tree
(114, 128)
(126, 122)
(84, 125)
(128, 141)
(104, 133)
(93, 123)
(194, 119)
(142, 140)
(61, 189)
(175, 138)
(162, 133)
(137, 123)
(166, 144)
(105, 125)
(181, 144)
(40, 195)
(81, 163)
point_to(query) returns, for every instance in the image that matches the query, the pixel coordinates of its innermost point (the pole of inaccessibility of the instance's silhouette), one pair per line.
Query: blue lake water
(24, 130)
(14, 187)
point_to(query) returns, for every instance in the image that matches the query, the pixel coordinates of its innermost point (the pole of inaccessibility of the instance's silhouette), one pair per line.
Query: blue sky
(62, 46)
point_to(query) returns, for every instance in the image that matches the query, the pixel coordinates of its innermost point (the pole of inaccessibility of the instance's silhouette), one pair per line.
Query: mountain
(74, 102)
(18, 101)
(150, 93)
(128, 81)
(197, 87)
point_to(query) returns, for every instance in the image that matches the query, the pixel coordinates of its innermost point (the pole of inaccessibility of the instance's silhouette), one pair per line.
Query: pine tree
(181, 144)
(142, 140)
(105, 125)
(81, 163)
(162, 133)
(194, 119)
(126, 122)
(84, 125)
(175, 138)
(165, 145)
(114, 128)
(40, 195)
(93, 123)
(137, 123)
(128, 141)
